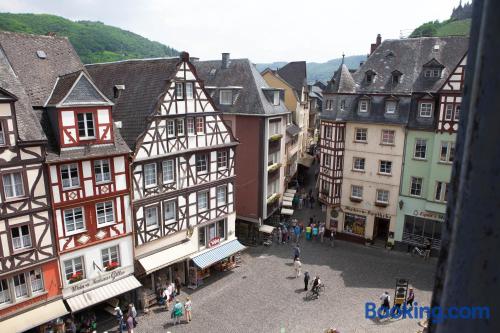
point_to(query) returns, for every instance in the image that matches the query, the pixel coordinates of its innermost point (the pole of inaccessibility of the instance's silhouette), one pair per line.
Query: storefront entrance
(381, 230)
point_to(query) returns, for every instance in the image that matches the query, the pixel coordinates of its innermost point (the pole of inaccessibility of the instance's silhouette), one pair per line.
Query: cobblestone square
(263, 296)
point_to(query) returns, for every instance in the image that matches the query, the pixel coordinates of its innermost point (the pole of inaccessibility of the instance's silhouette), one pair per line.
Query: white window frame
(17, 188)
(226, 97)
(202, 163)
(37, 284)
(180, 126)
(86, 127)
(361, 160)
(222, 160)
(73, 264)
(73, 220)
(390, 107)
(105, 177)
(363, 106)
(5, 296)
(23, 241)
(327, 160)
(427, 113)
(191, 130)
(328, 130)
(74, 182)
(418, 182)
(357, 191)
(276, 97)
(206, 198)
(179, 91)
(456, 113)
(415, 150)
(3, 140)
(221, 195)
(146, 177)
(388, 137)
(387, 163)
(382, 196)
(361, 132)
(168, 171)
(448, 112)
(102, 210)
(450, 146)
(170, 128)
(189, 90)
(274, 128)
(110, 252)
(170, 206)
(272, 187)
(147, 224)
(199, 121)
(22, 288)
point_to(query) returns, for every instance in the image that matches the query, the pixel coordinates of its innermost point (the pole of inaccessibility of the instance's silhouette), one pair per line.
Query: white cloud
(262, 30)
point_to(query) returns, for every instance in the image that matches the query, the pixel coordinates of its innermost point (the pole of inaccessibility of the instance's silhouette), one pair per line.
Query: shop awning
(217, 254)
(287, 203)
(34, 318)
(103, 293)
(164, 258)
(291, 191)
(286, 211)
(288, 195)
(306, 161)
(268, 229)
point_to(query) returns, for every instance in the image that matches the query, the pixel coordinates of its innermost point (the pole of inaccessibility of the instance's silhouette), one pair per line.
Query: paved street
(262, 295)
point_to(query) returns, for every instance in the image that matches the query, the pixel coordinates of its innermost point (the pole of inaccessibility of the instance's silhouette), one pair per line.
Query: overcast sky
(262, 30)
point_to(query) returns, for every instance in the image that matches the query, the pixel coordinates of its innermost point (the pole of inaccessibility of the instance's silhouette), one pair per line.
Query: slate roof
(145, 81)
(27, 126)
(295, 73)
(341, 82)
(251, 98)
(38, 76)
(292, 130)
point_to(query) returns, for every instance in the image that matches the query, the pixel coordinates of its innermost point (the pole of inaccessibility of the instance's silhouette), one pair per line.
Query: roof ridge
(33, 35)
(250, 65)
(132, 60)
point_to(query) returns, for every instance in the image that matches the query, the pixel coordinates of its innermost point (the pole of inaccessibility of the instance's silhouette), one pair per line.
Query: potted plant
(112, 265)
(77, 276)
(275, 137)
(273, 167)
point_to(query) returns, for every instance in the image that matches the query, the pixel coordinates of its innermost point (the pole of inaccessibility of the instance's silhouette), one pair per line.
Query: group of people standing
(128, 321)
(385, 298)
(168, 296)
(303, 200)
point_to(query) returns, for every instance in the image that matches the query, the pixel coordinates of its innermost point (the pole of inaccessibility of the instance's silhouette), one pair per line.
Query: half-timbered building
(182, 170)
(367, 132)
(87, 168)
(29, 275)
(258, 117)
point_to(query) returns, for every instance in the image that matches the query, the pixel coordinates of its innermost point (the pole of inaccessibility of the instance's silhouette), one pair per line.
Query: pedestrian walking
(301, 202)
(297, 232)
(188, 307)
(306, 280)
(386, 302)
(322, 231)
(311, 201)
(295, 201)
(119, 318)
(177, 312)
(133, 313)
(130, 323)
(284, 235)
(308, 232)
(332, 237)
(177, 283)
(410, 298)
(296, 252)
(280, 235)
(315, 231)
(165, 297)
(297, 266)
(427, 247)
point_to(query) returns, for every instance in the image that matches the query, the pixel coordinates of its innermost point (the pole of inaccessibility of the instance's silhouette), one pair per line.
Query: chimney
(377, 43)
(184, 56)
(117, 90)
(225, 60)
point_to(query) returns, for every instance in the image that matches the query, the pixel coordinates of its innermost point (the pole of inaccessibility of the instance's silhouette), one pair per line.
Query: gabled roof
(341, 82)
(433, 63)
(27, 127)
(76, 89)
(295, 73)
(39, 75)
(145, 82)
(242, 73)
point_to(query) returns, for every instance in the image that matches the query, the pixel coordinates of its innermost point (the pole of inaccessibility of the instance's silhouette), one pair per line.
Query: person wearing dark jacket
(306, 280)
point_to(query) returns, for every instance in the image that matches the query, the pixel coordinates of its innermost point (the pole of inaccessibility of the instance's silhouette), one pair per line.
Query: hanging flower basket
(273, 198)
(275, 137)
(112, 265)
(77, 276)
(273, 167)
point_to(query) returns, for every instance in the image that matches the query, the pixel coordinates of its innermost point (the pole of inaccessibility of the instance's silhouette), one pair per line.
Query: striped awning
(287, 203)
(33, 318)
(291, 191)
(103, 293)
(287, 195)
(268, 229)
(286, 211)
(217, 254)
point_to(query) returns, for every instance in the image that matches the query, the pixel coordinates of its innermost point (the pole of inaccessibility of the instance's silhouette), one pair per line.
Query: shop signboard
(214, 241)
(367, 212)
(97, 280)
(429, 215)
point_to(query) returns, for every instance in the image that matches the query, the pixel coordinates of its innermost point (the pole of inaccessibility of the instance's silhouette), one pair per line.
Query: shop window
(36, 281)
(69, 176)
(201, 163)
(420, 149)
(110, 257)
(73, 269)
(151, 216)
(4, 291)
(150, 175)
(20, 285)
(73, 220)
(180, 127)
(168, 167)
(105, 212)
(101, 171)
(21, 237)
(417, 230)
(355, 224)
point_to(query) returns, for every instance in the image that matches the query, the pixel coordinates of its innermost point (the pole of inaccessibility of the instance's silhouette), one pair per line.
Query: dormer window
(432, 73)
(390, 107)
(369, 76)
(226, 97)
(425, 109)
(276, 98)
(86, 125)
(342, 105)
(179, 91)
(396, 77)
(364, 105)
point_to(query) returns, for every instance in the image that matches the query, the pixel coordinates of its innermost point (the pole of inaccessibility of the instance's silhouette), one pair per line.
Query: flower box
(273, 167)
(275, 137)
(273, 198)
(112, 265)
(77, 276)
